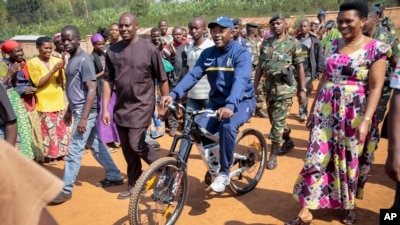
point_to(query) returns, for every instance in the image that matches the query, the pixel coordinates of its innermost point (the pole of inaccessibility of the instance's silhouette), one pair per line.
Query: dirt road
(270, 203)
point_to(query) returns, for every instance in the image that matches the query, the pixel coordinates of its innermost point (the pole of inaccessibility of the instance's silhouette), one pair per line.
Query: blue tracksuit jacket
(229, 74)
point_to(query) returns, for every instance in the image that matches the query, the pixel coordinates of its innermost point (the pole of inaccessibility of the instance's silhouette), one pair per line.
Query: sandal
(298, 221)
(349, 217)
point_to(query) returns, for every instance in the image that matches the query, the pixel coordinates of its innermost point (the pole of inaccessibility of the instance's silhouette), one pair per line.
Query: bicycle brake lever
(171, 105)
(213, 114)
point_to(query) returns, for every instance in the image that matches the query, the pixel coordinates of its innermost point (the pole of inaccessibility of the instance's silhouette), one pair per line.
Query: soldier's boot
(287, 145)
(272, 161)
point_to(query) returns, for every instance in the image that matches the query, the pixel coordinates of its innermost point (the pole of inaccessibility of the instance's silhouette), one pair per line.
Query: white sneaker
(220, 182)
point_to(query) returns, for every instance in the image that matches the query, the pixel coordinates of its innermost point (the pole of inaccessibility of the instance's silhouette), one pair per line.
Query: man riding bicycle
(228, 67)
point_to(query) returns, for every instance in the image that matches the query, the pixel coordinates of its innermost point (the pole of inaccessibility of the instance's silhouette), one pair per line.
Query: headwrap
(9, 45)
(57, 37)
(96, 38)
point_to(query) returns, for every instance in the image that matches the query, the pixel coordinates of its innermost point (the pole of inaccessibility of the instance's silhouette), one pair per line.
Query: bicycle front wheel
(249, 161)
(159, 194)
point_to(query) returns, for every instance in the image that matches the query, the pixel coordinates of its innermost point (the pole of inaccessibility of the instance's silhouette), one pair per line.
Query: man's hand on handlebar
(165, 100)
(224, 113)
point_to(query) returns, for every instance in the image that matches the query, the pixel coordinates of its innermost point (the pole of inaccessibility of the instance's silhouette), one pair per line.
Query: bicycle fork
(167, 187)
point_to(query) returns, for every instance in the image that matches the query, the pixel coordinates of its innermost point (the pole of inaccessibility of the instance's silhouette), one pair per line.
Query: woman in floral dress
(343, 122)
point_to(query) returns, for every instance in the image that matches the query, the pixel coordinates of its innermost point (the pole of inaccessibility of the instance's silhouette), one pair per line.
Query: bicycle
(160, 193)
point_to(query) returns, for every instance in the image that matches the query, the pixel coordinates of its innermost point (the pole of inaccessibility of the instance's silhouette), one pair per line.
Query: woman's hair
(360, 7)
(104, 32)
(40, 41)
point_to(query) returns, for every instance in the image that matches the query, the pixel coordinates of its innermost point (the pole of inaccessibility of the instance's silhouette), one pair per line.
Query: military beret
(280, 16)
(251, 24)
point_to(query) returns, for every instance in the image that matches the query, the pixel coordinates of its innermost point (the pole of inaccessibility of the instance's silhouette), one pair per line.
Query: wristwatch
(303, 89)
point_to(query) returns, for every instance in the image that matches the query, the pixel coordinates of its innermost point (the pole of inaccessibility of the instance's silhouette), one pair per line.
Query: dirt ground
(269, 203)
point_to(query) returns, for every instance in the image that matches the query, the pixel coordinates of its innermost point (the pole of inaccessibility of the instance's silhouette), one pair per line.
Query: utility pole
(87, 16)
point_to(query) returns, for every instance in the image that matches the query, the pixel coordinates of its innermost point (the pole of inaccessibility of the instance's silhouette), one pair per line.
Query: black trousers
(134, 149)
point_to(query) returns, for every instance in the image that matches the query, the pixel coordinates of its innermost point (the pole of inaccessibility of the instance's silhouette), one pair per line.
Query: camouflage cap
(280, 16)
(252, 24)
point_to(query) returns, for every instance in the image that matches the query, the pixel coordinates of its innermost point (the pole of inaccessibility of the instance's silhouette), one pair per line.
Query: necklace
(354, 44)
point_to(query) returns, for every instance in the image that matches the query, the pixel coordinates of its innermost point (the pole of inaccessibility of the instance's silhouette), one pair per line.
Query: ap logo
(389, 217)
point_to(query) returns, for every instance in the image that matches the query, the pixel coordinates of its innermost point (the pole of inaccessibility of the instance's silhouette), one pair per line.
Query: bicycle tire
(256, 153)
(147, 192)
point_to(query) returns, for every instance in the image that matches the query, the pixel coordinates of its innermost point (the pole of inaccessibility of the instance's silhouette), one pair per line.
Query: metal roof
(26, 37)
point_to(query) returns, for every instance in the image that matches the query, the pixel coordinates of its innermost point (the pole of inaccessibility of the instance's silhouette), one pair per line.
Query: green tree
(23, 11)
(140, 7)
(3, 14)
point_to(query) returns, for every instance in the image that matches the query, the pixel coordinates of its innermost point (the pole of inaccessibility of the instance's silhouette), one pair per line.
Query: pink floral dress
(336, 166)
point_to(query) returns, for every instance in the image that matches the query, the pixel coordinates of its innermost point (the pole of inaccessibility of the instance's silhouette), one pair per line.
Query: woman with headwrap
(108, 134)
(47, 75)
(14, 75)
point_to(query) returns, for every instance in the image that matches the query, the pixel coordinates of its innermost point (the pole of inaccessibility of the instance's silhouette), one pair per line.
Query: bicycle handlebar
(211, 113)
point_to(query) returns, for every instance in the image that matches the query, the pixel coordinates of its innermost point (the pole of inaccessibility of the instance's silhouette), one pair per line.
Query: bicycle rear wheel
(159, 194)
(249, 161)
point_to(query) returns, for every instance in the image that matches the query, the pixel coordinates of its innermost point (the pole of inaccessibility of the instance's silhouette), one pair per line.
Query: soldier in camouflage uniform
(372, 29)
(279, 56)
(252, 44)
(385, 21)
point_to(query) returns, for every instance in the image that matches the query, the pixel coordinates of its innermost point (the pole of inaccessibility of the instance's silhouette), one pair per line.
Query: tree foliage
(49, 16)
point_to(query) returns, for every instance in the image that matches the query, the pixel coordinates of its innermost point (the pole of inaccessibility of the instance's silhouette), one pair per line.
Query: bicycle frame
(191, 134)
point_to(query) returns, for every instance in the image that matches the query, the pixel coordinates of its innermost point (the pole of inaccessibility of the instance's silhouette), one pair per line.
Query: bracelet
(367, 119)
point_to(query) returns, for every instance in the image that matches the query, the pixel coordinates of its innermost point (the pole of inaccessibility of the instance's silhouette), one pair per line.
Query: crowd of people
(64, 100)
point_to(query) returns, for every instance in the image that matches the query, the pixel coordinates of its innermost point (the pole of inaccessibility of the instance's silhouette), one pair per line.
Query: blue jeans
(77, 147)
(227, 129)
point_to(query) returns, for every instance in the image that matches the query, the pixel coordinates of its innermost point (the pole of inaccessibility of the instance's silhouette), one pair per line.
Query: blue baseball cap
(322, 12)
(222, 21)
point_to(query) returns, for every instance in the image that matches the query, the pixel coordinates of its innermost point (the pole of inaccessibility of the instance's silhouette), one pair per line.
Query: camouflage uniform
(254, 49)
(388, 24)
(382, 35)
(276, 57)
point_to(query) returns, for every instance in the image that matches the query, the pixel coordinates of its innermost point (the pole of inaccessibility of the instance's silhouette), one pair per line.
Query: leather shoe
(107, 183)
(61, 198)
(261, 114)
(125, 194)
